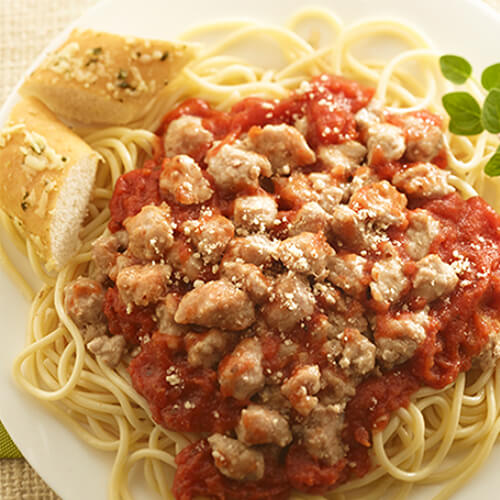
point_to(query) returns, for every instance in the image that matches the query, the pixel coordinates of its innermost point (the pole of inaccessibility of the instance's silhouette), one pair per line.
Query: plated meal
(258, 283)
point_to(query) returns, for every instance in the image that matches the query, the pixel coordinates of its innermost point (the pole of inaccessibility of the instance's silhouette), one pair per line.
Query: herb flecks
(24, 204)
(467, 117)
(94, 53)
(122, 80)
(123, 84)
(164, 56)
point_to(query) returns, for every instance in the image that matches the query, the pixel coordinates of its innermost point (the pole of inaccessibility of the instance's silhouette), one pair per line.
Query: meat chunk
(292, 302)
(240, 373)
(306, 253)
(349, 226)
(351, 319)
(84, 303)
(109, 350)
(389, 281)
(183, 179)
(363, 176)
(340, 388)
(300, 388)
(122, 261)
(322, 434)
(491, 351)
(216, 304)
(271, 397)
(235, 460)
(186, 135)
(285, 147)
(397, 337)
(143, 285)
(370, 115)
(358, 355)
(350, 272)
(423, 180)
(385, 141)
(295, 190)
(206, 349)
(151, 232)
(84, 300)
(250, 278)
(255, 249)
(261, 425)
(105, 251)
(185, 260)
(309, 218)
(165, 313)
(255, 213)
(235, 169)
(326, 295)
(434, 278)
(342, 159)
(328, 193)
(380, 203)
(343, 311)
(424, 140)
(210, 236)
(422, 230)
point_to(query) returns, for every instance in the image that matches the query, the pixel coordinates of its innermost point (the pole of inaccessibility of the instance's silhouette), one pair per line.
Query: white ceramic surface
(72, 469)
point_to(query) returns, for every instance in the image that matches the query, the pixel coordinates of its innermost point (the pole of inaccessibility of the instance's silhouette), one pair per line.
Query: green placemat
(7, 448)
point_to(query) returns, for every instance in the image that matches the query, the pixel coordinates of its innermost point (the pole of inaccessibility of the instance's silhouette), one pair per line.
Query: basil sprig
(466, 115)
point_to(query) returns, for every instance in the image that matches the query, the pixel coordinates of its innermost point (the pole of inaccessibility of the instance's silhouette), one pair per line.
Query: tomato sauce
(189, 399)
(470, 230)
(195, 461)
(132, 191)
(460, 330)
(134, 324)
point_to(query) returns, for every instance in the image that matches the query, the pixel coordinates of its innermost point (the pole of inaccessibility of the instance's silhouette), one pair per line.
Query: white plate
(71, 468)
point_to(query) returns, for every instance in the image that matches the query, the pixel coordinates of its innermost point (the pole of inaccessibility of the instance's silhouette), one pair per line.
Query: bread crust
(44, 166)
(103, 78)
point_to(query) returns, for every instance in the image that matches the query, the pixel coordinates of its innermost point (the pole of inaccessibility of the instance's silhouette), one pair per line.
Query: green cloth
(7, 448)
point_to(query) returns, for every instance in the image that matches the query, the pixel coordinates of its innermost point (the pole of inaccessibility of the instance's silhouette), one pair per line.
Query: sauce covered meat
(284, 276)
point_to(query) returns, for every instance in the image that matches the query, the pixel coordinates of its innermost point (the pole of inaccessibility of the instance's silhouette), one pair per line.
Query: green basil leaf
(491, 111)
(490, 79)
(465, 113)
(492, 168)
(455, 68)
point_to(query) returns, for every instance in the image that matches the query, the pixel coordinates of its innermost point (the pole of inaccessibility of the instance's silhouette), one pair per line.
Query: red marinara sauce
(189, 399)
(470, 229)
